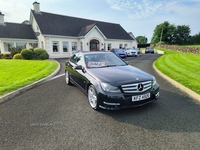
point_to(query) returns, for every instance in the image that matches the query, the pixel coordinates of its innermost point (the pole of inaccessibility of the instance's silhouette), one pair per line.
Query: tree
(171, 34)
(163, 32)
(182, 34)
(195, 39)
(141, 39)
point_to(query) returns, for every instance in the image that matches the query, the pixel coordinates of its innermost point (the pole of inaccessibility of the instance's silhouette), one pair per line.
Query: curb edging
(12, 94)
(188, 91)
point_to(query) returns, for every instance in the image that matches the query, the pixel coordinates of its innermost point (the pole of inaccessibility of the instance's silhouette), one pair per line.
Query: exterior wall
(94, 34)
(48, 46)
(48, 43)
(1, 46)
(134, 43)
(118, 43)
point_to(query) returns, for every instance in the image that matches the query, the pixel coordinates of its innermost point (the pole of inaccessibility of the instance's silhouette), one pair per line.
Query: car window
(80, 60)
(102, 60)
(77, 59)
(73, 58)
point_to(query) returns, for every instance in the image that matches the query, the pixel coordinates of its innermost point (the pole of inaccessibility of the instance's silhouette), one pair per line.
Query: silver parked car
(131, 52)
(137, 49)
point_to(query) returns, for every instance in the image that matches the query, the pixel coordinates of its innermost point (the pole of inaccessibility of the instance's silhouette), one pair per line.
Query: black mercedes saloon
(109, 82)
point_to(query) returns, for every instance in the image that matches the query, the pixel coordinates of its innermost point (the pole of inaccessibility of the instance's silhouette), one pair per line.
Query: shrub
(27, 54)
(15, 50)
(17, 56)
(41, 54)
(1, 55)
(7, 56)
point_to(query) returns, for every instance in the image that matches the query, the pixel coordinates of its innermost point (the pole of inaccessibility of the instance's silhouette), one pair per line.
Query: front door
(94, 45)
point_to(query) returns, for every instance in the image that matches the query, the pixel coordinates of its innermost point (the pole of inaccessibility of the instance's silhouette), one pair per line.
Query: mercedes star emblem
(140, 87)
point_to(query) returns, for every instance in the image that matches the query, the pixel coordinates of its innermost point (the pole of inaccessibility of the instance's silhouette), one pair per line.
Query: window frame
(57, 49)
(67, 46)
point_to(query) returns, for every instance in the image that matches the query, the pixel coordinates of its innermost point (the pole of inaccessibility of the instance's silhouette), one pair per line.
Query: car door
(70, 67)
(79, 75)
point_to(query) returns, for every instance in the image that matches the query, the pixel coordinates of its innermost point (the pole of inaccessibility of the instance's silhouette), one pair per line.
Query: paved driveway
(54, 116)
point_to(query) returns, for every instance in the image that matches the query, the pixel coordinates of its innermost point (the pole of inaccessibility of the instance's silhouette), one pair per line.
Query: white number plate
(140, 97)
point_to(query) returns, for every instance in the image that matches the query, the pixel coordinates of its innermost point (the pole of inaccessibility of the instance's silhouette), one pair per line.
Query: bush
(27, 54)
(40, 54)
(17, 56)
(1, 55)
(15, 50)
(7, 56)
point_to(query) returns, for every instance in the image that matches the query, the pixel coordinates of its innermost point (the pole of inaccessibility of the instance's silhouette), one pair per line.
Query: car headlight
(154, 81)
(109, 88)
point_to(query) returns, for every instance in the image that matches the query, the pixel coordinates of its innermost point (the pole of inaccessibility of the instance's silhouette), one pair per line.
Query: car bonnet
(118, 75)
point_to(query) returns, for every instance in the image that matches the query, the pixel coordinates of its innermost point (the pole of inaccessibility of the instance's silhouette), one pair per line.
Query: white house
(59, 35)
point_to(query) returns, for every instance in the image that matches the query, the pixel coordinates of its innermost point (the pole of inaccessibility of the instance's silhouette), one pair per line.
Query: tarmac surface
(55, 116)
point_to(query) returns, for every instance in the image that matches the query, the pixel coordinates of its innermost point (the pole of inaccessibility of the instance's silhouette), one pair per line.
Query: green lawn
(18, 73)
(192, 45)
(182, 67)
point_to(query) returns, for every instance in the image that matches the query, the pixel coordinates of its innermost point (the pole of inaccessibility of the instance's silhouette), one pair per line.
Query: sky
(137, 16)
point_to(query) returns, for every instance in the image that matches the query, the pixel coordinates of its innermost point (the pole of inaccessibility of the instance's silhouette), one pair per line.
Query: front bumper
(121, 100)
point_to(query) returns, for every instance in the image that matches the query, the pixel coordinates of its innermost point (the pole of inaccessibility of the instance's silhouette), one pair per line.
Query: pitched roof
(17, 31)
(54, 24)
(86, 29)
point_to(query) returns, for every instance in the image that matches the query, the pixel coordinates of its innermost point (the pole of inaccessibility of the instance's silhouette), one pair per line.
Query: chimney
(36, 6)
(1, 18)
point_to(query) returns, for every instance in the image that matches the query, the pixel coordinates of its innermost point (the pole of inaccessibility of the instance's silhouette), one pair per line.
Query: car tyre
(67, 78)
(92, 97)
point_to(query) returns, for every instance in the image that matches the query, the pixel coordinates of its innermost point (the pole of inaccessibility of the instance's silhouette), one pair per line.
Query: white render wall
(48, 45)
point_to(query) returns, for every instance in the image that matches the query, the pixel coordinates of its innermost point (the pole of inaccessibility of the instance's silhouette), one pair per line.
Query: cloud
(137, 9)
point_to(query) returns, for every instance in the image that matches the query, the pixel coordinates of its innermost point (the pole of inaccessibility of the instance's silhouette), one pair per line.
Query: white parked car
(131, 52)
(137, 49)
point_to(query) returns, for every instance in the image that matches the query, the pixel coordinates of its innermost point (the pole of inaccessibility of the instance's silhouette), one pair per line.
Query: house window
(109, 46)
(120, 45)
(33, 45)
(55, 46)
(74, 46)
(125, 45)
(21, 45)
(9, 46)
(65, 46)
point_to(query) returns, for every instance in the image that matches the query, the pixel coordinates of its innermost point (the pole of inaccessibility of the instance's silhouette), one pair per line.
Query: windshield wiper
(110, 65)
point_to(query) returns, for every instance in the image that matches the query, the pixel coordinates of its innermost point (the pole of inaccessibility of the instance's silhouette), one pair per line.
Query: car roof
(117, 48)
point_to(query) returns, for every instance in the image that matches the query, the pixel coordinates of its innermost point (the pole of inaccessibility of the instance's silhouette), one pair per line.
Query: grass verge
(182, 67)
(192, 46)
(19, 73)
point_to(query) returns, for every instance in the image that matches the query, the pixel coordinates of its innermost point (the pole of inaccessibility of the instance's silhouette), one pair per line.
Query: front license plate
(140, 97)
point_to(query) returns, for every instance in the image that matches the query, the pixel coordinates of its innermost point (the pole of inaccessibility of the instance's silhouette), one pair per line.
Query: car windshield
(99, 60)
